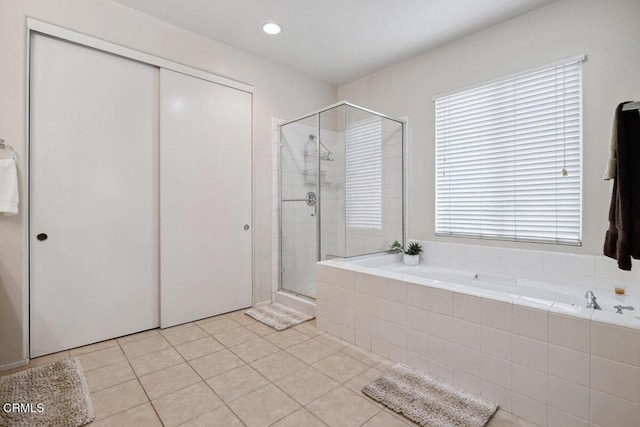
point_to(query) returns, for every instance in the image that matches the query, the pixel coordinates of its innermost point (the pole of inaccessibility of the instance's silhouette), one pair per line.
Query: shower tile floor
(231, 370)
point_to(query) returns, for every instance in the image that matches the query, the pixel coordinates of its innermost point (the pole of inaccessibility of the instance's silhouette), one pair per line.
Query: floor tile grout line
(93, 351)
(205, 355)
(318, 397)
(223, 331)
(291, 413)
(157, 370)
(205, 380)
(345, 354)
(237, 355)
(227, 403)
(197, 339)
(333, 389)
(253, 391)
(185, 342)
(152, 352)
(112, 385)
(283, 348)
(234, 413)
(125, 410)
(339, 385)
(104, 366)
(214, 392)
(322, 358)
(283, 391)
(197, 373)
(374, 415)
(149, 401)
(137, 333)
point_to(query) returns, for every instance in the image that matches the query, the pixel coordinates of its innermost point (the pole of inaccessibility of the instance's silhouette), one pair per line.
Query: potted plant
(395, 248)
(412, 254)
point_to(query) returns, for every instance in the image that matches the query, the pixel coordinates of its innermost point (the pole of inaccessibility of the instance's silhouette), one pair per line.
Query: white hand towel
(8, 187)
(612, 162)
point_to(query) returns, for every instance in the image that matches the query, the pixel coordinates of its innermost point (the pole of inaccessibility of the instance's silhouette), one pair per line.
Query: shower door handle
(311, 198)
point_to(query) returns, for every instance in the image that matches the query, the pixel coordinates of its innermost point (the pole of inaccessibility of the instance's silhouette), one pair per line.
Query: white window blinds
(363, 185)
(508, 158)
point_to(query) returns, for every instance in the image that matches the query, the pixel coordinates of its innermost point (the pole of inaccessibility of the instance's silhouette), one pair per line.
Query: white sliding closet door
(93, 230)
(205, 198)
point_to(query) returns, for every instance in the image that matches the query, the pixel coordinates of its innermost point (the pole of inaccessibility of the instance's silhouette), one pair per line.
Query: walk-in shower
(341, 189)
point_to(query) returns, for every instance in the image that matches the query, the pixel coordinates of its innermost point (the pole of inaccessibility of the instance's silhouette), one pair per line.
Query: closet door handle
(42, 237)
(246, 227)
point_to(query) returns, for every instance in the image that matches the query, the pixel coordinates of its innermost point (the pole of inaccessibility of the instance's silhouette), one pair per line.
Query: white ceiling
(335, 40)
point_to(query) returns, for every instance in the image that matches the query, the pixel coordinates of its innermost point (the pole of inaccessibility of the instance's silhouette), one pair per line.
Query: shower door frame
(318, 197)
(318, 205)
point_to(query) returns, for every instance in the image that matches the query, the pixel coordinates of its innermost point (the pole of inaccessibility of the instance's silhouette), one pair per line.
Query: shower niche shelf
(325, 157)
(310, 177)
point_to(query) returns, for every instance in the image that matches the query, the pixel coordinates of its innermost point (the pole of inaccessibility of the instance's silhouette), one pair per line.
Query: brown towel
(622, 240)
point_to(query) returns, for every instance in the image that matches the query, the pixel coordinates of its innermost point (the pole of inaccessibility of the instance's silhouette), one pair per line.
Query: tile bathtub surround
(300, 376)
(584, 271)
(548, 363)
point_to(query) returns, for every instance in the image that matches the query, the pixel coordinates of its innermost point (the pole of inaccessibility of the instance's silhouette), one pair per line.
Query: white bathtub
(499, 287)
(532, 347)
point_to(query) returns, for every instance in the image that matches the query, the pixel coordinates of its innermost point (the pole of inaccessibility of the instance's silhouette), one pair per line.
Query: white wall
(606, 31)
(279, 92)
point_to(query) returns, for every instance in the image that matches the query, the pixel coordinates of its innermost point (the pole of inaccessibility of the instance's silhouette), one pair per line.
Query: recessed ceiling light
(271, 28)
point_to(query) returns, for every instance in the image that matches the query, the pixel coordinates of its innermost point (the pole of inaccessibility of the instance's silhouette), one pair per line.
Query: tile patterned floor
(231, 370)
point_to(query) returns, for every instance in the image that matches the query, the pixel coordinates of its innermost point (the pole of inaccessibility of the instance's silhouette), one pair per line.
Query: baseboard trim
(14, 365)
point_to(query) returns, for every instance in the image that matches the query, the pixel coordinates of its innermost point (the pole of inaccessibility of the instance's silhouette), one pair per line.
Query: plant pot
(411, 259)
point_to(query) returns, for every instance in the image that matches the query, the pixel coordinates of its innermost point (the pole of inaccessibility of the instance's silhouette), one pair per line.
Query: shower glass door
(299, 206)
(341, 190)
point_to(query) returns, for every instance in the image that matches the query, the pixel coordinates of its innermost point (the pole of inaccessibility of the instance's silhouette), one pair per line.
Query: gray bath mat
(50, 395)
(278, 316)
(428, 401)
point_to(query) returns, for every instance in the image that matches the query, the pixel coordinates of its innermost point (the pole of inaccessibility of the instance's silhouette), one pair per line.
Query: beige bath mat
(428, 401)
(49, 395)
(278, 316)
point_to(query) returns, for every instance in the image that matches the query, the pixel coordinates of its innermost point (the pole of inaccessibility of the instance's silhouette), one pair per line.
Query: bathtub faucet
(619, 308)
(591, 301)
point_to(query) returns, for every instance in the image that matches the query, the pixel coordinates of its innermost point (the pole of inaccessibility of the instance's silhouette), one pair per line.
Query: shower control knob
(246, 227)
(42, 237)
(311, 198)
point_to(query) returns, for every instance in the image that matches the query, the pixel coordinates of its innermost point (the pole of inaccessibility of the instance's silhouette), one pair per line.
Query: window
(508, 159)
(363, 185)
